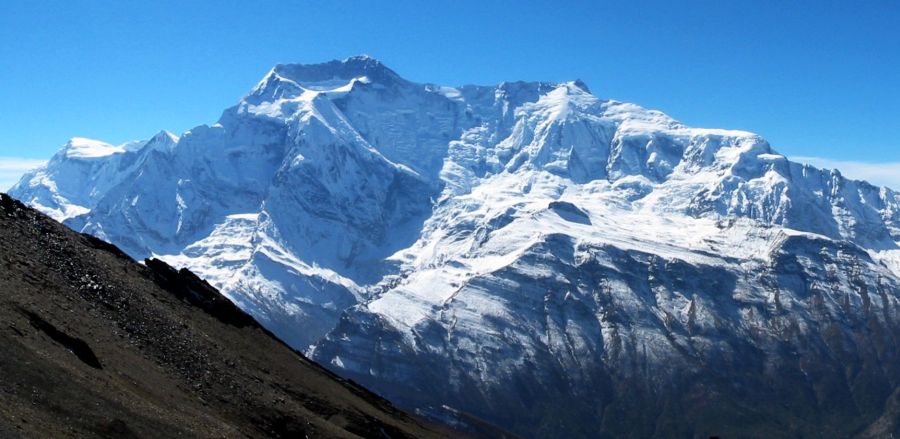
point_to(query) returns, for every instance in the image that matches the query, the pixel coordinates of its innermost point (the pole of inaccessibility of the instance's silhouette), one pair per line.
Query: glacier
(523, 255)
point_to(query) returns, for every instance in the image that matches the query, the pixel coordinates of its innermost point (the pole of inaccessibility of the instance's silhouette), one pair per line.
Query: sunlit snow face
(482, 228)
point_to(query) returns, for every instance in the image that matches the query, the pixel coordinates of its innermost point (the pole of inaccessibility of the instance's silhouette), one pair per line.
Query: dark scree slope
(96, 345)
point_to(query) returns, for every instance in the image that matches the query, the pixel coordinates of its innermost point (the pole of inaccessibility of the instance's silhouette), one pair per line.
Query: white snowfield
(447, 245)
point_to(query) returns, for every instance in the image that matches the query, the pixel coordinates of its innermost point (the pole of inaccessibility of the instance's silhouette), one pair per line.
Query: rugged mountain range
(97, 345)
(525, 254)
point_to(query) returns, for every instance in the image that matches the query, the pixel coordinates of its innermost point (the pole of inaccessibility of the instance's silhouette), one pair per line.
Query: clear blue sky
(817, 78)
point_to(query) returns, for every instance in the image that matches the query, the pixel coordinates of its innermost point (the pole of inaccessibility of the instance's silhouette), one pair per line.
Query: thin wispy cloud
(12, 168)
(880, 174)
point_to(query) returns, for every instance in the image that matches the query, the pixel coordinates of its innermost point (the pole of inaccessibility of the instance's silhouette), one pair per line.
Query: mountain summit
(526, 254)
(355, 67)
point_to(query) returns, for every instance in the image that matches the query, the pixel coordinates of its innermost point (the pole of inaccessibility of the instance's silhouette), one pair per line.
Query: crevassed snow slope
(526, 254)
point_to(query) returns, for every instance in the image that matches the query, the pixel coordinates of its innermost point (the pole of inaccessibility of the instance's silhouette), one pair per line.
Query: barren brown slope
(96, 345)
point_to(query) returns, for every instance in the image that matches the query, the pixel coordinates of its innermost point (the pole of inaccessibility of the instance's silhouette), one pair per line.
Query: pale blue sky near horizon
(818, 79)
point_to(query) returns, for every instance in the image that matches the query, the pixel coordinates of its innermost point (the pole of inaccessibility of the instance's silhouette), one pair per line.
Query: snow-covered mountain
(525, 254)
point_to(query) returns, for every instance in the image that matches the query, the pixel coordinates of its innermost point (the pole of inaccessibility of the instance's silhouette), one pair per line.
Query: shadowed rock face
(807, 362)
(96, 345)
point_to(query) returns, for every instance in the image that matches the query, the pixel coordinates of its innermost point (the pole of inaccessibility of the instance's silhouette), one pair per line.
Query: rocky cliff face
(526, 254)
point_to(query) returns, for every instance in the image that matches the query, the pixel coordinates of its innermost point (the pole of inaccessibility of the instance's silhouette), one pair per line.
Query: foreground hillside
(96, 345)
